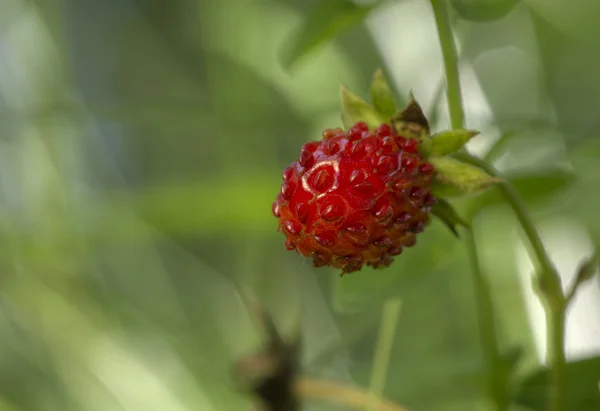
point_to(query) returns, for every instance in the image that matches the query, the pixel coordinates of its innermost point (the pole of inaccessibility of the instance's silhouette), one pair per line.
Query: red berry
(355, 198)
(426, 168)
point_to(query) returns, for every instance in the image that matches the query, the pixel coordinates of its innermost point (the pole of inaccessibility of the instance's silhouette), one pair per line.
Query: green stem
(549, 280)
(555, 320)
(497, 385)
(485, 311)
(450, 56)
(383, 350)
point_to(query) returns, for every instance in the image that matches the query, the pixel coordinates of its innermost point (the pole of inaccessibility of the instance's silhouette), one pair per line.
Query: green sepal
(411, 121)
(455, 178)
(449, 142)
(381, 95)
(448, 215)
(356, 109)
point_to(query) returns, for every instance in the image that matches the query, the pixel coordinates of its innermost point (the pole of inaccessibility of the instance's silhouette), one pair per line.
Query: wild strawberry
(355, 197)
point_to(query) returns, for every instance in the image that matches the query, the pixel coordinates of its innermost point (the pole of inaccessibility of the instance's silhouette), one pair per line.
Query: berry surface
(355, 197)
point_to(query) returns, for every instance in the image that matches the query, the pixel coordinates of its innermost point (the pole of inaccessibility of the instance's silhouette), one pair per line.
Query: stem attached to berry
(549, 280)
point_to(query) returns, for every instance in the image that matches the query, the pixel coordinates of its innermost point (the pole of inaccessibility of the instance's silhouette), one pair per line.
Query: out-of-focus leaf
(534, 187)
(381, 95)
(582, 391)
(326, 21)
(193, 208)
(483, 10)
(356, 109)
(567, 35)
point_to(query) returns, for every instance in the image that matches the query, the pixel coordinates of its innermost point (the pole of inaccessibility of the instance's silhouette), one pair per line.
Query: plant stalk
(333, 392)
(549, 280)
(496, 384)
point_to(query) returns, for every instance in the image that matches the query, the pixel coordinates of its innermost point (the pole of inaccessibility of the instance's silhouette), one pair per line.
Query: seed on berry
(288, 173)
(332, 208)
(321, 179)
(383, 242)
(357, 177)
(409, 240)
(383, 208)
(429, 200)
(418, 192)
(303, 211)
(275, 209)
(403, 218)
(385, 164)
(362, 126)
(409, 163)
(306, 159)
(320, 259)
(290, 245)
(287, 189)
(331, 147)
(292, 227)
(417, 227)
(384, 130)
(426, 168)
(395, 250)
(389, 146)
(325, 238)
(411, 145)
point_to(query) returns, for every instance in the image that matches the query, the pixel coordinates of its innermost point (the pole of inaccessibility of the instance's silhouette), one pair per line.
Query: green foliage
(323, 24)
(483, 10)
(582, 378)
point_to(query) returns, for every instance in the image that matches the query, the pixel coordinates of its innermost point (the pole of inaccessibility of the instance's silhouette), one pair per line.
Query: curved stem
(516, 203)
(550, 285)
(550, 288)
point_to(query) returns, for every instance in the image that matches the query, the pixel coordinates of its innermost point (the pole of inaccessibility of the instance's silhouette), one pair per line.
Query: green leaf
(581, 384)
(323, 23)
(536, 187)
(483, 10)
(448, 215)
(381, 95)
(411, 121)
(449, 142)
(356, 109)
(455, 178)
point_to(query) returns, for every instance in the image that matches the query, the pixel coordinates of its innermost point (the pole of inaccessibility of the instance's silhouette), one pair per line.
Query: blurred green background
(141, 146)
